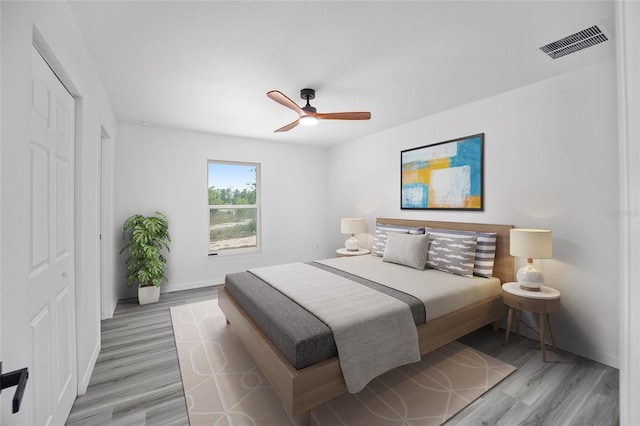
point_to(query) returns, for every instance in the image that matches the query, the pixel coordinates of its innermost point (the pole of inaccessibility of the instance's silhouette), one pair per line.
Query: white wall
(160, 169)
(628, 54)
(550, 162)
(53, 29)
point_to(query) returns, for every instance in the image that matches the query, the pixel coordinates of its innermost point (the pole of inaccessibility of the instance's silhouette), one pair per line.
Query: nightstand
(544, 303)
(343, 252)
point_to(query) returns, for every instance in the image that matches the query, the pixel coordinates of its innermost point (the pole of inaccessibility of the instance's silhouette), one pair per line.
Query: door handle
(15, 378)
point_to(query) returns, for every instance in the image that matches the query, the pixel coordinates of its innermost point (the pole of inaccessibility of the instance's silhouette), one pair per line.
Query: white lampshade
(352, 225)
(532, 244)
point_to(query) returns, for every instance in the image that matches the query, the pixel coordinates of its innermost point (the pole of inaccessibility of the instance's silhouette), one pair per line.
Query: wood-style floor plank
(560, 391)
(136, 380)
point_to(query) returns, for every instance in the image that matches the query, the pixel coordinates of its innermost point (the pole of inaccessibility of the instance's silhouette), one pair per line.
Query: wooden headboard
(503, 266)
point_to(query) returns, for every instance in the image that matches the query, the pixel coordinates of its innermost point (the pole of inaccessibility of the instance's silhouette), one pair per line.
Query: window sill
(235, 253)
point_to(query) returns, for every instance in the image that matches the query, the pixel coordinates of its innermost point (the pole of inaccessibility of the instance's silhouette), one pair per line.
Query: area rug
(223, 385)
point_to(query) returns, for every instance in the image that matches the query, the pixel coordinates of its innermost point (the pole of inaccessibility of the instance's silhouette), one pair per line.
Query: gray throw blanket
(374, 333)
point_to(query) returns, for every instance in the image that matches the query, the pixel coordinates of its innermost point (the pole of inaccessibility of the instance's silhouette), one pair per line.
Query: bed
(317, 381)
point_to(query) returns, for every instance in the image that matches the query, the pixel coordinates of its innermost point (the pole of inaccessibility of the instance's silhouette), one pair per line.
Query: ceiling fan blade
(287, 127)
(283, 100)
(343, 116)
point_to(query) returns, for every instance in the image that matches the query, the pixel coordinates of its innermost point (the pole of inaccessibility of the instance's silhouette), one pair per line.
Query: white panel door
(41, 312)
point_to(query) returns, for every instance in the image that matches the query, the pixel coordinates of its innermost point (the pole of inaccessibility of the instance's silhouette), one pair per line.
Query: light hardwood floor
(136, 380)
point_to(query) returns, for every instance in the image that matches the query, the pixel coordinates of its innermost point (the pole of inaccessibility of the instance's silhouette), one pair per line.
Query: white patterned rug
(223, 386)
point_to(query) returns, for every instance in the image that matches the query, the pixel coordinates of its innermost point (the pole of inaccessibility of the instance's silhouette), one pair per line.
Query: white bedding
(441, 292)
(373, 332)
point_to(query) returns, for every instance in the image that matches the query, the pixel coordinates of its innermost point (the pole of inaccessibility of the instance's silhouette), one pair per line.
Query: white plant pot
(149, 294)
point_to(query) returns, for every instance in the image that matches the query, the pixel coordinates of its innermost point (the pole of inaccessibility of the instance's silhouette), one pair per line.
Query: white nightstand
(543, 302)
(343, 252)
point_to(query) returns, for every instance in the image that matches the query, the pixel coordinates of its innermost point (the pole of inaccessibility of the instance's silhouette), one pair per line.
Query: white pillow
(407, 249)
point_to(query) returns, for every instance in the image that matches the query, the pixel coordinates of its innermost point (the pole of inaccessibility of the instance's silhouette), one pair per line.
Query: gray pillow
(383, 231)
(407, 249)
(451, 254)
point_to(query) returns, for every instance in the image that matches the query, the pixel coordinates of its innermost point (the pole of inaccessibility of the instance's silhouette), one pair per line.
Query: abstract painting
(443, 176)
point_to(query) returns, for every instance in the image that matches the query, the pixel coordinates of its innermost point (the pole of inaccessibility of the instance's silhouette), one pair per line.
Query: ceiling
(207, 65)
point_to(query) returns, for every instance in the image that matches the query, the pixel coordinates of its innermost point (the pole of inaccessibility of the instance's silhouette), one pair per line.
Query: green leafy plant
(146, 236)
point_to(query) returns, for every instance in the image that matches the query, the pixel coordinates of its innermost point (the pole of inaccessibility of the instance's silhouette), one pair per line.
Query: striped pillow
(452, 253)
(485, 250)
(382, 232)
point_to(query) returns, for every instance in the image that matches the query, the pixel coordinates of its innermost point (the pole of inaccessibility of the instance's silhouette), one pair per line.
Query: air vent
(574, 42)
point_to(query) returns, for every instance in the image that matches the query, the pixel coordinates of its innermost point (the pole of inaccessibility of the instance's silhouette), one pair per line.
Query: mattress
(441, 292)
(305, 340)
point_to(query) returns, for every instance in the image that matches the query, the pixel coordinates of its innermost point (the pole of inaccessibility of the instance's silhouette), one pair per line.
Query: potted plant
(146, 236)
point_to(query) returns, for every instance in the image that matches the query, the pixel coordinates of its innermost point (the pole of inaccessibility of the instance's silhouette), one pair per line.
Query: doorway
(108, 293)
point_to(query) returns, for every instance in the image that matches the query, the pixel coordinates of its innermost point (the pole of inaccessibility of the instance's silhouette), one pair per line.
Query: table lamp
(353, 226)
(532, 244)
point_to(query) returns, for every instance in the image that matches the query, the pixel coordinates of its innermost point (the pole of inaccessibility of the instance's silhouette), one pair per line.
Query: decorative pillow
(485, 250)
(382, 231)
(452, 254)
(407, 249)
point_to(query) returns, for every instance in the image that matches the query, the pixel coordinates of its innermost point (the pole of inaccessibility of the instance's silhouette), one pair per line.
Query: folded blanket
(373, 332)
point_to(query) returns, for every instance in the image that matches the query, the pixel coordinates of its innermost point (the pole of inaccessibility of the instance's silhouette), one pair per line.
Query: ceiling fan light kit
(308, 115)
(308, 120)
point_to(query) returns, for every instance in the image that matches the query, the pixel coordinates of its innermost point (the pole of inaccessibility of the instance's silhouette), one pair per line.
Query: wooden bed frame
(302, 390)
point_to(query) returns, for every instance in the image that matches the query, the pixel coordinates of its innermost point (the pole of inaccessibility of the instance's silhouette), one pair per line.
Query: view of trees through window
(233, 205)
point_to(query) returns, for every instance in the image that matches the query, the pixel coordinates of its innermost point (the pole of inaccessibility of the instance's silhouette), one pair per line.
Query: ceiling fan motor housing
(308, 94)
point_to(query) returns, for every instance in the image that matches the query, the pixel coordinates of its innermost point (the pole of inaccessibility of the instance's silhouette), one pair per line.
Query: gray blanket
(373, 332)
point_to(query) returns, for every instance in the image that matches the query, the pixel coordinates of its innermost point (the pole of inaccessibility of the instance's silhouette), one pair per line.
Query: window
(234, 207)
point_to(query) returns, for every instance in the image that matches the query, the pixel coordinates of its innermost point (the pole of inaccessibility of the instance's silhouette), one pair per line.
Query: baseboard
(110, 310)
(611, 360)
(607, 359)
(83, 384)
(168, 288)
(114, 305)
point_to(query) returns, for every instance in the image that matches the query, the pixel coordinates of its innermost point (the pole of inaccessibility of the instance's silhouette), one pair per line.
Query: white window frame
(257, 206)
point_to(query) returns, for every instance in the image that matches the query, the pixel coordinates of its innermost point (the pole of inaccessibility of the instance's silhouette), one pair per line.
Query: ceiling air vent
(574, 42)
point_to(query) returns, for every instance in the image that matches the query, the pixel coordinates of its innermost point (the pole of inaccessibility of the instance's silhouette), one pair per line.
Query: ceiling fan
(308, 114)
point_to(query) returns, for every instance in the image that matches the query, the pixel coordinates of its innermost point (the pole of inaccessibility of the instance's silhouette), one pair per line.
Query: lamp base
(352, 244)
(524, 286)
(530, 278)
